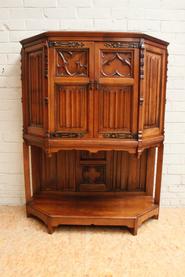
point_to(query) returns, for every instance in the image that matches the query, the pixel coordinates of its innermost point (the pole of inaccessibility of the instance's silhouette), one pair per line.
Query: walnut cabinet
(93, 127)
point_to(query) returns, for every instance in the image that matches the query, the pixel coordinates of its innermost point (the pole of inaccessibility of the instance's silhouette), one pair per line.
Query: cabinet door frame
(123, 81)
(73, 80)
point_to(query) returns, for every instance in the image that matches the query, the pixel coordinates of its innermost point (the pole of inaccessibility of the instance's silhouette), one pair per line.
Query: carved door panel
(116, 94)
(94, 171)
(154, 90)
(73, 75)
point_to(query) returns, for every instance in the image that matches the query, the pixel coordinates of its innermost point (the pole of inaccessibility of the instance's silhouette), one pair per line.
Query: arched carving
(72, 63)
(116, 64)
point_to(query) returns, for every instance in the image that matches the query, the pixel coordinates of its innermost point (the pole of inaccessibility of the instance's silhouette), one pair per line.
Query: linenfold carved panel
(115, 108)
(72, 63)
(116, 64)
(118, 171)
(71, 108)
(152, 90)
(35, 87)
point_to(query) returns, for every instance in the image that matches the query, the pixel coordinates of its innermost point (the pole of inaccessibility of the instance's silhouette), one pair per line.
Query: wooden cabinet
(93, 115)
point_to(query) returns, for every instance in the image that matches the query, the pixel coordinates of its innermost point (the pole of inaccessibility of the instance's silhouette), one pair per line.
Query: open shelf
(96, 209)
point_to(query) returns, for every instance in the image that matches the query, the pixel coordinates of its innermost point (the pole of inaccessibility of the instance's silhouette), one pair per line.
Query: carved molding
(46, 61)
(141, 100)
(142, 51)
(120, 135)
(120, 44)
(73, 44)
(66, 134)
(140, 135)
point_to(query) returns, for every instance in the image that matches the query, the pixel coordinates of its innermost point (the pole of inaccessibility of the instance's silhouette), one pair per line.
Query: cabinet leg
(134, 230)
(51, 229)
(156, 216)
(28, 214)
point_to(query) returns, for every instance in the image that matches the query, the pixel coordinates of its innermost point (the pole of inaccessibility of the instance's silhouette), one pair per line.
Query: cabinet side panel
(154, 90)
(35, 87)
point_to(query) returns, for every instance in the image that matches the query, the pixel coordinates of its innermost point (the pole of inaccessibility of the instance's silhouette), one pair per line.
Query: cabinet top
(91, 36)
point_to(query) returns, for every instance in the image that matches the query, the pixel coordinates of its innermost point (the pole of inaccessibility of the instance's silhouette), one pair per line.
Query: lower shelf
(110, 209)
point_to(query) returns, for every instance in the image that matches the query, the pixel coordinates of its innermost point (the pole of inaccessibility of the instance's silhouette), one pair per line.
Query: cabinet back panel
(35, 79)
(153, 90)
(104, 171)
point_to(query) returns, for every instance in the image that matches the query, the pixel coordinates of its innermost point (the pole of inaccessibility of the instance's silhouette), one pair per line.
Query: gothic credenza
(93, 127)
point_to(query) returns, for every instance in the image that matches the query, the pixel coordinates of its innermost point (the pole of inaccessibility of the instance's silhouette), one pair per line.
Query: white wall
(23, 18)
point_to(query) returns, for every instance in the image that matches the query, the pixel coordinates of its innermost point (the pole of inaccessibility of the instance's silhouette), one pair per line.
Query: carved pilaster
(46, 61)
(142, 51)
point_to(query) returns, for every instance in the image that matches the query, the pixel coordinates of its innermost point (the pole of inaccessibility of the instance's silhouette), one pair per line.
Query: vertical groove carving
(153, 87)
(118, 172)
(71, 107)
(66, 170)
(142, 52)
(115, 108)
(128, 172)
(36, 88)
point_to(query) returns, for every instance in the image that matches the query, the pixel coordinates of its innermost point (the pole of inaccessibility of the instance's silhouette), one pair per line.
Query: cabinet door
(73, 75)
(116, 94)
